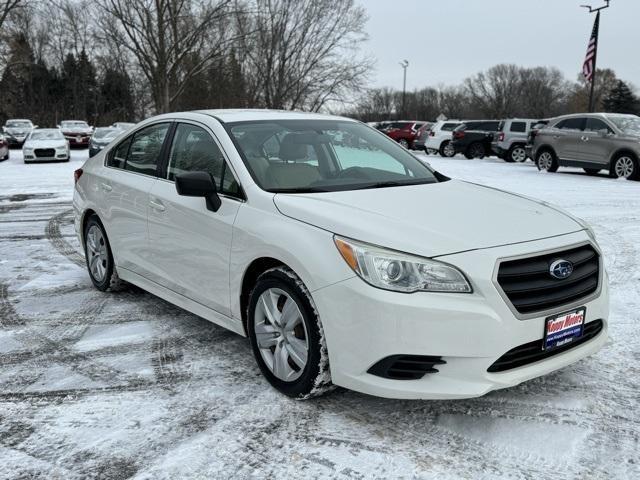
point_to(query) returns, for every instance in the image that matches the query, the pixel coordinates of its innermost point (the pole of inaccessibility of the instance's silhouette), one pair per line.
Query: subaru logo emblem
(561, 269)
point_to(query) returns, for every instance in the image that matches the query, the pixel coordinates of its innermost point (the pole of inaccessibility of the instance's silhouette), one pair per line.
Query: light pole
(592, 51)
(404, 64)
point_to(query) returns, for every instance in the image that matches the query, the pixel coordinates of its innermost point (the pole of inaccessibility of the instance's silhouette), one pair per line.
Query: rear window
(518, 127)
(571, 124)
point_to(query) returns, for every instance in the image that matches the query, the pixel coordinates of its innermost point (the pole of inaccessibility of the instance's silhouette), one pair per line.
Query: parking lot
(126, 385)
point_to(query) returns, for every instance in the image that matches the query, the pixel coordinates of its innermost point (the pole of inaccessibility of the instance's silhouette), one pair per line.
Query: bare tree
(164, 37)
(302, 54)
(495, 92)
(7, 7)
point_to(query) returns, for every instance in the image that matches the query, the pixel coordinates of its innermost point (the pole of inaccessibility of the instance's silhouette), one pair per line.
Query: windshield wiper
(391, 183)
(298, 190)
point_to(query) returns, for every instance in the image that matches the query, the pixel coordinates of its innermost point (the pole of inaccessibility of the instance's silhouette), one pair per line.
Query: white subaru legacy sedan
(345, 259)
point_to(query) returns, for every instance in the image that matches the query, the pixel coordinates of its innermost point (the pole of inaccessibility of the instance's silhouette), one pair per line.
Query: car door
(567, 138)
(598, 142)
(130, 174)
(190, 245)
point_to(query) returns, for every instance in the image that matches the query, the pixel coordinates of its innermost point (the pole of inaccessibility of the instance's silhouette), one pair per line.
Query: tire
(292, 375)
(98, 256)
(516, 153)
(446, 149)
(625, 165)
(592, 171)
(475, 150)
(430, 151)
(404, 142)
(547, 161)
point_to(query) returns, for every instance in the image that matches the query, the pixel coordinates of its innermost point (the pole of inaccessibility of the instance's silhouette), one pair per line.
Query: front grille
(532, 352)
(406, 367)
(44, 152)
(531, 288)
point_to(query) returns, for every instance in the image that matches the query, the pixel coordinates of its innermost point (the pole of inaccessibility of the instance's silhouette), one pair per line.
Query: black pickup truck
(473, 138)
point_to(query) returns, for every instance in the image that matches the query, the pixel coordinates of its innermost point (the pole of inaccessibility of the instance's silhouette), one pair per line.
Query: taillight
(458, 135)
(76, 175)
(501, 137)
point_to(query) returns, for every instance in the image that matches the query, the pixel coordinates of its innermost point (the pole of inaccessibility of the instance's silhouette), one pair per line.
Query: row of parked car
(593, 142)
(53, 144)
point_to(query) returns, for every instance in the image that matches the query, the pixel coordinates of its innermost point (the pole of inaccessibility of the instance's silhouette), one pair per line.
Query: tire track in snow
(52, 233)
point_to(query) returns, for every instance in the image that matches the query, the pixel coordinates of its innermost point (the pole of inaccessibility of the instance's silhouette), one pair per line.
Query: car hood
(429, 220)
(45, 144)
(75, 131)
(17, 131)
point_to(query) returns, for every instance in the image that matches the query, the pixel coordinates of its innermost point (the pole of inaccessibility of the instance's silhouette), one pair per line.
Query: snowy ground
(126, 385)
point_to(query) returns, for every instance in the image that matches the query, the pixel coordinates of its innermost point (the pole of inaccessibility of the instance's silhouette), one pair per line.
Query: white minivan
(345, 259)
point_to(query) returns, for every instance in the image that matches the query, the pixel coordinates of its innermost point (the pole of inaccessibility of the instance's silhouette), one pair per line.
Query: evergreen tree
(621, 99)
(116, 98)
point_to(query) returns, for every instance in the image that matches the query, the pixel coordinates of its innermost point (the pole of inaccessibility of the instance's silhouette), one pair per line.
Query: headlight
(400, 272)
(27, 150)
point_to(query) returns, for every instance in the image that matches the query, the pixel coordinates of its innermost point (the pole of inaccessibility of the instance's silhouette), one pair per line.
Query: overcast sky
(445, 41)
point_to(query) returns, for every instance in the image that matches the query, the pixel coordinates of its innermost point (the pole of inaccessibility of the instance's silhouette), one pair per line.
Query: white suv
(342, 257)
(439, 139)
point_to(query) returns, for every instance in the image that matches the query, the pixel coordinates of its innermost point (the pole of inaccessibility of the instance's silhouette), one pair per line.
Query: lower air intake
(406, 367)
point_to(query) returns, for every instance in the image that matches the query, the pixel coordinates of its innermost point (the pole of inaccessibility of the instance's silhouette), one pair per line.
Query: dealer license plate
(560, 330)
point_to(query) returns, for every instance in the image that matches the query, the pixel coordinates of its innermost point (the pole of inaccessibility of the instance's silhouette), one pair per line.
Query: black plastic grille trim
(529, 286)
(406, 367)
(44, 152)
(532, 352)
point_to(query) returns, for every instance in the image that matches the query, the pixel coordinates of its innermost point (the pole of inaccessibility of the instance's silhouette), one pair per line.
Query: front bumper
(15, 142)
(58, 157)
(470, 332)
(78, 141)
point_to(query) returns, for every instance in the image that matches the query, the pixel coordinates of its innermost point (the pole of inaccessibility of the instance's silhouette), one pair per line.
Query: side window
(519, 127)
(595, 125)
(194, 150)
(118, 157)
(145, 148)
(571, 124)
(449, 127)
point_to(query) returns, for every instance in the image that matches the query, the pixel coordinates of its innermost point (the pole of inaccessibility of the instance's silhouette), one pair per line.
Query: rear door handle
(106, 187)
(157, 206)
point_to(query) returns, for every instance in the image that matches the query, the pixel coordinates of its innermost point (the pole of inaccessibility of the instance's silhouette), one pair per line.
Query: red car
(77, 132)
(4, 148)
(404, 132)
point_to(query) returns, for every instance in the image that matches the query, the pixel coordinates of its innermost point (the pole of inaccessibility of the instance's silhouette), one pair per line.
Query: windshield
(626, 124)
(301, 156)
(18, 124)
(74, 125)
(46, 135)
(106, 133)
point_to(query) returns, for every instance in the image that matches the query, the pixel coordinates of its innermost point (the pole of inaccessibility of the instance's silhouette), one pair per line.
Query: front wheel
(625, 166)
(286, 335)
(546, 160)
(516, 154)
(404, 142)
(98, 256)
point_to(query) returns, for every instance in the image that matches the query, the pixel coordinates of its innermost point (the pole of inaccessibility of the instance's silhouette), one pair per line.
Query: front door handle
(585, 139)
(157, 206)
(106, 187)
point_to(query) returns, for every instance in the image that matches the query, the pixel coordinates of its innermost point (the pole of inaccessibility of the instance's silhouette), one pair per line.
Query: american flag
(589, 64)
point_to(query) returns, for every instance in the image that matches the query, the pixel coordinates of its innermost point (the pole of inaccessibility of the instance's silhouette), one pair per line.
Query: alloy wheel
(477, 151)
(448, 150)
(519, 154)
(281, 334)
(97, 253)
(624, 167)
(545, 160)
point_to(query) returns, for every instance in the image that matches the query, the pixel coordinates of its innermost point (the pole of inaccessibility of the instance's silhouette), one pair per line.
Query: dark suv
(473, 138)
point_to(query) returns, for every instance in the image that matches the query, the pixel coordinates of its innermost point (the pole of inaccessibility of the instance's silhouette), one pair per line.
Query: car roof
(245, 115)
(65, 121)
(46, 130)
(18, 120)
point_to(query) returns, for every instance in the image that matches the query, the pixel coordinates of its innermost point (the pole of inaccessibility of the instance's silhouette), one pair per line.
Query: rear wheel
(547, 161)
(404, 142)
(592, 171)
(447, 150)
(625, 166)
(286, 335)
(517, 153)
(98, 256)
(475, 150)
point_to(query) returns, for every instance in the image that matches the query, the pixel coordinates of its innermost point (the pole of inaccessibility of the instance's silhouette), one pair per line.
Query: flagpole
(595, 55)
(592, 107)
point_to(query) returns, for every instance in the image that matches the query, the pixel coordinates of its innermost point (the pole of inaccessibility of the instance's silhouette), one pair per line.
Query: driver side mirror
(199, 184)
